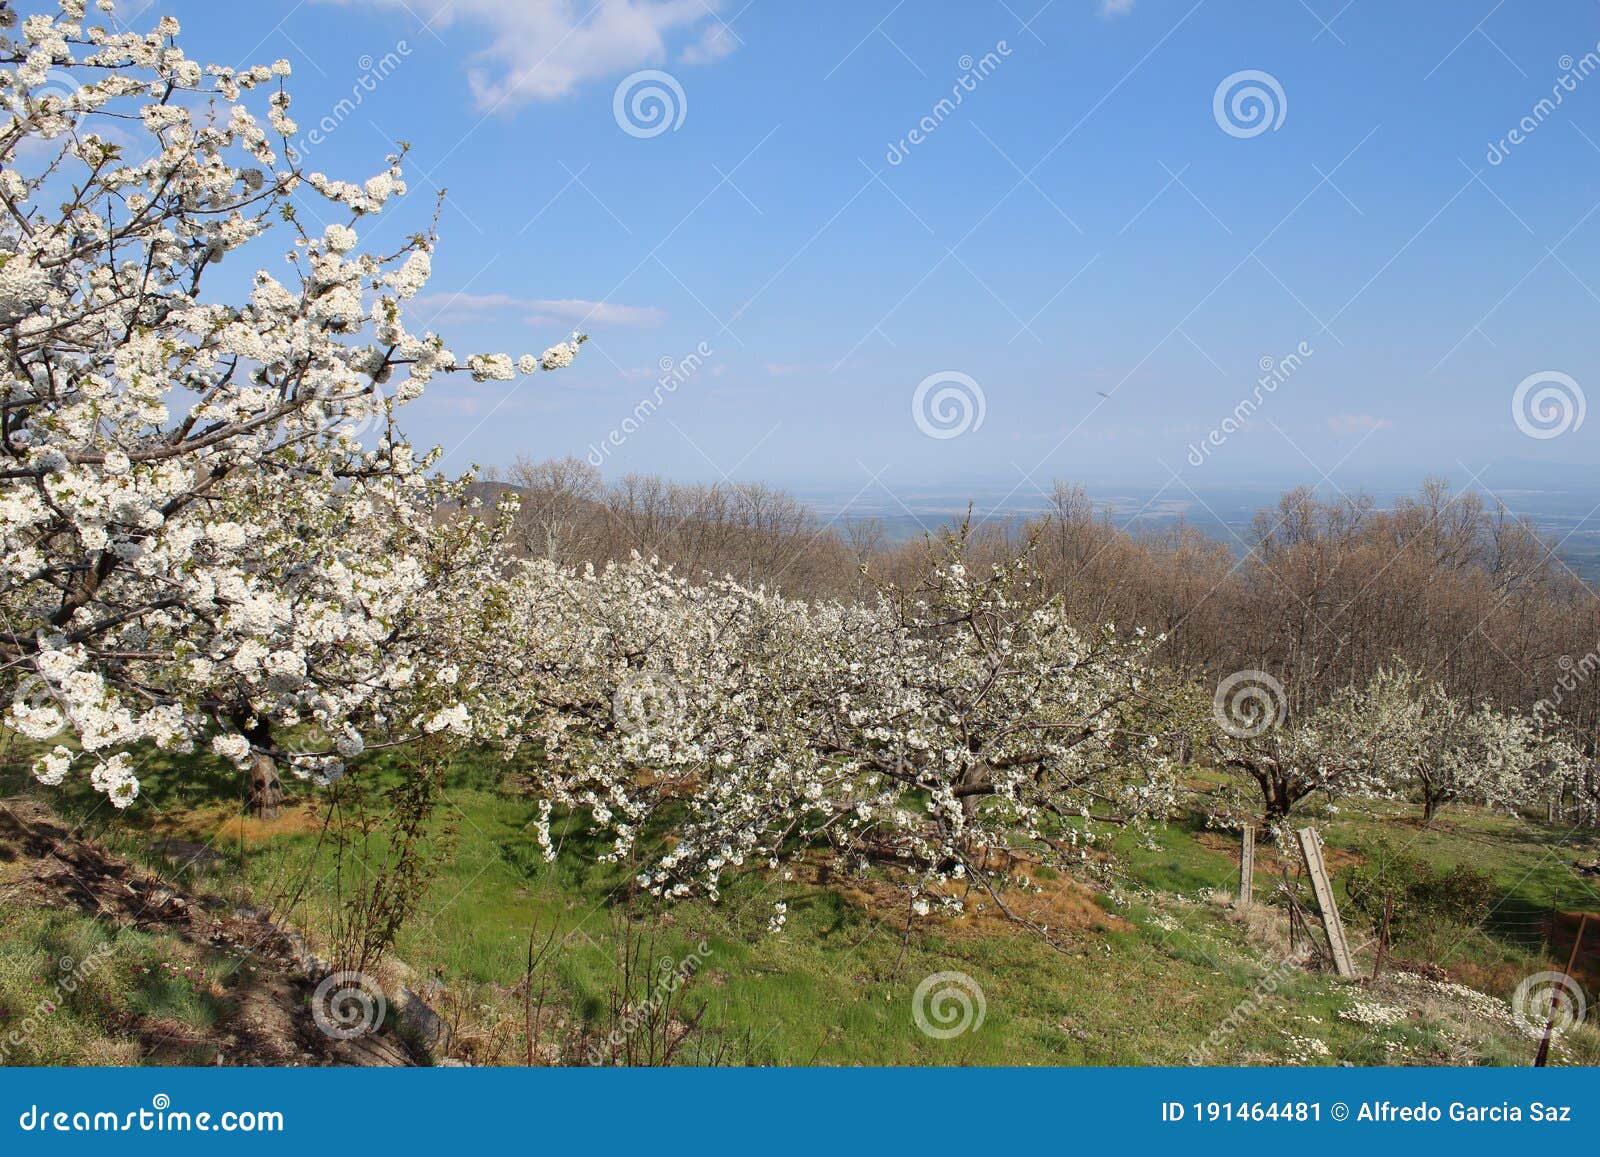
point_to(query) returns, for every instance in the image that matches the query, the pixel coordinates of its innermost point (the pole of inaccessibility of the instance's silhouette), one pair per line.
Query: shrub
(1418, 890)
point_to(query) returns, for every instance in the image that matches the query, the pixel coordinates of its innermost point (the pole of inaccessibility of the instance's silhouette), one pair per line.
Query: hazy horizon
(1562, 504)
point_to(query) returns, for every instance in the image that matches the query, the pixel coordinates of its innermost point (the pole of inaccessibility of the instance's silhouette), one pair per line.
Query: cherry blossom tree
(1582, 788)
(1337, 749)
(1400, 732)
(1451, 749)
(213, 531)
(928, 733)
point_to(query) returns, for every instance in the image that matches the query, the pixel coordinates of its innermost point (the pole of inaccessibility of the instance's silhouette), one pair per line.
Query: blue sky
(1081, 225)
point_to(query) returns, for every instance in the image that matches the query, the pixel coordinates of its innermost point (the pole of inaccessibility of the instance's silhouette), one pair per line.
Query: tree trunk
(1275, 794)
(263, 790)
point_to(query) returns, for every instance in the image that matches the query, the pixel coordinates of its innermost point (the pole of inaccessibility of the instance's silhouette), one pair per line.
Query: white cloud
(539, 311)
(575, 309)
(545, 49)
(1357, 423)
(718, 40)
(1110, 8)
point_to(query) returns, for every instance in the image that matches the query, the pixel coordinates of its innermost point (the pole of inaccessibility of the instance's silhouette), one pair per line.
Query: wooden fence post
(1543, 1056)
(1383, 935)
(1311, 851)
(1247, 866)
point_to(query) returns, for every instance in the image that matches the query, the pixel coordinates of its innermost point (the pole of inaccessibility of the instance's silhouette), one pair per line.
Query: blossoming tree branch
(198, 547)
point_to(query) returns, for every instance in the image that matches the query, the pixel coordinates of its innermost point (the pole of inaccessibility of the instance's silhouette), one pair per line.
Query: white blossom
(195, 547)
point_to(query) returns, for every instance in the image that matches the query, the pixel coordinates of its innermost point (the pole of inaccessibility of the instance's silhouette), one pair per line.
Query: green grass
(1154, 983)
(70, 987)
(1530, 859)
